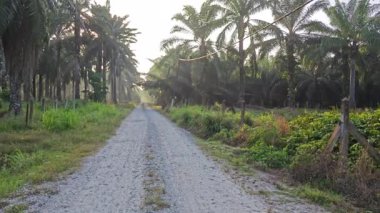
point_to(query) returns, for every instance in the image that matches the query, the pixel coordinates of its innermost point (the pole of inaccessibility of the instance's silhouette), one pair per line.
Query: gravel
(150, 165)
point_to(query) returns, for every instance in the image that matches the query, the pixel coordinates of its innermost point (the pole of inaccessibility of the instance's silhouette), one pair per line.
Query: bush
(268, 156)
(60, 120)
(296, 142)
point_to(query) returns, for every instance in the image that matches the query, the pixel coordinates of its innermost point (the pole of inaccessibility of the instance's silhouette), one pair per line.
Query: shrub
(60, 120)
(225, 135)
(268, 156)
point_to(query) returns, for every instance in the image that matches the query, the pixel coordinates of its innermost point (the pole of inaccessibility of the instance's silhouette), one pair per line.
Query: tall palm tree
(194, 30)
(22, 32)
(289, 34)
(198, 25)
(354, 26)
(236, 15)
(112, 44)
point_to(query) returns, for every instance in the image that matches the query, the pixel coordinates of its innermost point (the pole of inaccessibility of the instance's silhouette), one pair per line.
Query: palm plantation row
(59, 49)
(298, 61)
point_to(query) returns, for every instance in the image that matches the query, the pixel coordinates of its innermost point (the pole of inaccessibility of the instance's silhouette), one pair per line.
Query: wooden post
(242, 113)
(27, 115)
(31, 110)
(344, 144)
(372, 152)
(333, 139)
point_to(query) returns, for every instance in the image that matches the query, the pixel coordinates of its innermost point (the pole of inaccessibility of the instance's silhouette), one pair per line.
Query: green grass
(235, 157)
(39, 153)
(290, 140)
(316, 195)
(16, 209)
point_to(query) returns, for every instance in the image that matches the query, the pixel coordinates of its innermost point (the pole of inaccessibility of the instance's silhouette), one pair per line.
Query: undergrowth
(294, 140)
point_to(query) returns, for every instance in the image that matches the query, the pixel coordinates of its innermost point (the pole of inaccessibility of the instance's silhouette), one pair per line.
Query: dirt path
(150, 165)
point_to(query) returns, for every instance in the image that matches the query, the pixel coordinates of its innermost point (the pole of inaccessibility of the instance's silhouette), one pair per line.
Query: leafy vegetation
(295, 143)
(64, 42)
(54, 143)
(299, 61)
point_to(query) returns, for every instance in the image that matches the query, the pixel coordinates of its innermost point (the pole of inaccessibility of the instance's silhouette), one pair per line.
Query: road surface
(150, 165)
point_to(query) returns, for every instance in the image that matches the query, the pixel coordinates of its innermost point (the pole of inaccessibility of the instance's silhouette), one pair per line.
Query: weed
(16, 209)
(316, 195)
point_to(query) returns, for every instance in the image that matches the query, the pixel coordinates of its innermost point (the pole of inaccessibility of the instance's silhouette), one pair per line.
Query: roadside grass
(38, 153)
(16, 209)
(235, 157)
(285, 139)
(324, 198)
(238, 159)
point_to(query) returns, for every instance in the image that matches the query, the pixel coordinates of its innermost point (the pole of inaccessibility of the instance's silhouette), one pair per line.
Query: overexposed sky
(152, 18)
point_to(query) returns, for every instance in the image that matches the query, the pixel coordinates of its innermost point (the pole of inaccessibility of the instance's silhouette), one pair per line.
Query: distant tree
(23, 31)
(194, 31)
(236, 15)
(354, 28)
(289, 34)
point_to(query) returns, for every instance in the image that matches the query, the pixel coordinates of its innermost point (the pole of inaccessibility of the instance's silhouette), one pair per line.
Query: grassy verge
(55, 143)
(291, 141)
(238, 159)
(235, 157)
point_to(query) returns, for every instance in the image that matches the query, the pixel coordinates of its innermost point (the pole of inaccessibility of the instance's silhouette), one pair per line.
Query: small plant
(60, 120)
(318, 196)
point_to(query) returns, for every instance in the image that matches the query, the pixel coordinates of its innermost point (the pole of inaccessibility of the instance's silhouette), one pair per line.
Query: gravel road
(150, 165)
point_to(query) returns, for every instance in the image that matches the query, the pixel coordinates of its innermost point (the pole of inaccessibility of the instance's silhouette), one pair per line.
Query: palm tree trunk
(15, 93)
(40, 87)
(352, 84)
(241, 72)
(59, 74)
(346, 73)
(254, 65)
(113, 79)
(76, 74)
(204, 84)
(87, 69)
(3, 71)
(104, 80)
(291, 73)
(47, 87)
(34, 86)
(14, 53)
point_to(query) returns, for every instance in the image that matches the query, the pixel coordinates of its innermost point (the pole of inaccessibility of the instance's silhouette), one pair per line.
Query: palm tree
(112, 44)
(199, 25)
(22, 32)
(236, 15)
(196, 28)
(289, 34)
(354, 26)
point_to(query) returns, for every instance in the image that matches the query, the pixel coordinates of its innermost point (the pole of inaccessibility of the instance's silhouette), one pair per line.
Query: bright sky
(152, 18)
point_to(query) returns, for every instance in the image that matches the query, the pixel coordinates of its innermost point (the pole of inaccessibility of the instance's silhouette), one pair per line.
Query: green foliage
(57, 141)
(60, 119)
(318, 196)
(274, 141)
(100, 91)
(5, 95)
(260, 133)
(310, 139)
(269, 156)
